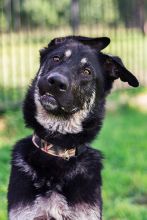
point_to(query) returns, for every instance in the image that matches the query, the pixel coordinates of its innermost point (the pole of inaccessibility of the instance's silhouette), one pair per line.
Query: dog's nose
(58, 82)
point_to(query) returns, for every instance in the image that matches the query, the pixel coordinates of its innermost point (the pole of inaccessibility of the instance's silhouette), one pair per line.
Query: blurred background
(26, 26)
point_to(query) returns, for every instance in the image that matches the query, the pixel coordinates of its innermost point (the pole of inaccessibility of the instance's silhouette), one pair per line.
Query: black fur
(63, 175)
(78, 179)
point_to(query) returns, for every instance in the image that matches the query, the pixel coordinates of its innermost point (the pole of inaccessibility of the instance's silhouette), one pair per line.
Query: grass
(124, 175)
(123, 142)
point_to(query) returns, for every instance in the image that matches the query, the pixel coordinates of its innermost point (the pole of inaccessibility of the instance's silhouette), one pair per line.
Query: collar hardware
(53, 150)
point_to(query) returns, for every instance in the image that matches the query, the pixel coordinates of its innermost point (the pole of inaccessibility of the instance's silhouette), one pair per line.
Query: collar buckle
(66, 156)
(51, 149)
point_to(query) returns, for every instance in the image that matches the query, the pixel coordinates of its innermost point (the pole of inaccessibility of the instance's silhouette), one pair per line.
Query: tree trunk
(75, 15)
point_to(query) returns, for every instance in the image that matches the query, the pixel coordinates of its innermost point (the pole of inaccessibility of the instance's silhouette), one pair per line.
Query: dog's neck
(55, 150)
(90, 125)
(91, 128)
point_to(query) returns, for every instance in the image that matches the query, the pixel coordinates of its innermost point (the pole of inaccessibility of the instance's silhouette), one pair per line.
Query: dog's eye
(56, 59)
(87, 71)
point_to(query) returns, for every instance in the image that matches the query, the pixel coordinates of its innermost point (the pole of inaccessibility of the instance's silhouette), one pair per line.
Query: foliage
(47, 13)
(18, 14)
(93, 12)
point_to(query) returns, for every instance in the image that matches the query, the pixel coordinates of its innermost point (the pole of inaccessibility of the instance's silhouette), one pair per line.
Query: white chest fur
(54, 207)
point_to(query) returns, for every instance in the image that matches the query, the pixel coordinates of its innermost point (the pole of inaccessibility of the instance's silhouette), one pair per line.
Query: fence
(26, 26)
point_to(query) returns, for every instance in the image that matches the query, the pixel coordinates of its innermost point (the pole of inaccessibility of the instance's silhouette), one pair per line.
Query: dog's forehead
(79, 47)
(83, 59)
(68, 52)
(76, 51)
(83, 52)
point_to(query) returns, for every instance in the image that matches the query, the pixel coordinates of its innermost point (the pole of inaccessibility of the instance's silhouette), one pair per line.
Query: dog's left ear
(114, 68)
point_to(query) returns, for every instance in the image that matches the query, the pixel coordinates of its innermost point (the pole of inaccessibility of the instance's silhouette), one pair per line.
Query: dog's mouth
(51, 104)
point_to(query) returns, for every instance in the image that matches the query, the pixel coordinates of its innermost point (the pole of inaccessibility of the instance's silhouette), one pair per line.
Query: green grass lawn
(122, 140)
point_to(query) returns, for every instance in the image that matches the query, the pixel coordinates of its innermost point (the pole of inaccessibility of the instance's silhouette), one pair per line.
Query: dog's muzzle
(50, 87)
(48, 102)
(54, 89)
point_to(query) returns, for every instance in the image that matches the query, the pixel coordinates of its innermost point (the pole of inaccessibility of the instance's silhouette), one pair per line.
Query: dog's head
(74, 75)
(68, 74)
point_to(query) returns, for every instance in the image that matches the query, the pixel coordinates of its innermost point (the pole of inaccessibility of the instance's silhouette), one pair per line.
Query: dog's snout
(58, 82)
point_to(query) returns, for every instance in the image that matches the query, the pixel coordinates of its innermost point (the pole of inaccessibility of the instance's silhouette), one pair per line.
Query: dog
(55, 174)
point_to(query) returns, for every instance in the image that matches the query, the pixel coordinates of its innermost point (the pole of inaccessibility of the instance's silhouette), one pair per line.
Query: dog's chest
(54, 208)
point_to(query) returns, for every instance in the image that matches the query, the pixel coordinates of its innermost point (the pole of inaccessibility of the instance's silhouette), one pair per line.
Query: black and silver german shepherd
(55, 173)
